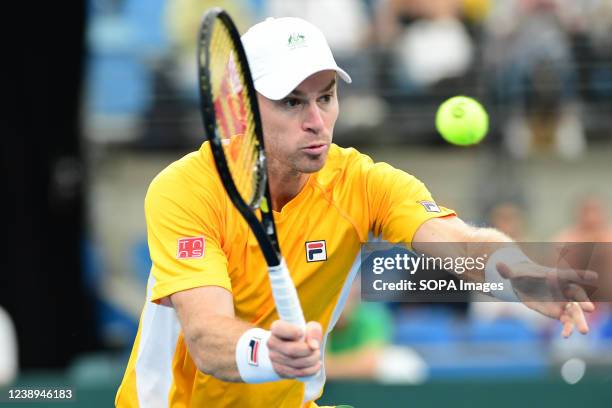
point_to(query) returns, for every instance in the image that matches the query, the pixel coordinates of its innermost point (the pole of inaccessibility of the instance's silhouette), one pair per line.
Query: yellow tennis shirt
(197, 238)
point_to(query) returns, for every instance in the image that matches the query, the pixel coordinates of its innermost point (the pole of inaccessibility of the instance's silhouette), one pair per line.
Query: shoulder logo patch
(316, 251)
(430, 206)
(191, 247)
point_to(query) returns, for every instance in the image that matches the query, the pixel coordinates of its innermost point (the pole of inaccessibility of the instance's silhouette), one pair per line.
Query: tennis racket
(232, 124)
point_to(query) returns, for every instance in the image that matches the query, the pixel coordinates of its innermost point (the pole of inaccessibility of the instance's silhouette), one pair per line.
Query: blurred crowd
(543, 68)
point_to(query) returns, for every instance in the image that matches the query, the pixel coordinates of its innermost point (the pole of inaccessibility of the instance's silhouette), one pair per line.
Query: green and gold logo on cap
(296, 40)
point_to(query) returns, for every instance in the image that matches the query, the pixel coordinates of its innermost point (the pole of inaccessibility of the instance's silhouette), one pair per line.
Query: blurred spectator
(534, 72)
(124, 40)
(172, 120)
(412, 29)
(476, 11)
(358, 347)
(590, 23)
(8, 349)
(587, 243)
(346, 35)
(509, 218)
(183, 18)
(590, 222)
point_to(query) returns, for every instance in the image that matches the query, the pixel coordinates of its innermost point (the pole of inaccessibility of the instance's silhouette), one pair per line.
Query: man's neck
(284, 187)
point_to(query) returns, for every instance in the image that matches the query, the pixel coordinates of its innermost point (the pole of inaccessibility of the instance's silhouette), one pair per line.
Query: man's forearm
(213, 346)
(483, 242)
(455, 239)
(226, 348)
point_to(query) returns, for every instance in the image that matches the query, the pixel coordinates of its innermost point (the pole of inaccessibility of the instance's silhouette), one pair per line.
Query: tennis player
(209, 335)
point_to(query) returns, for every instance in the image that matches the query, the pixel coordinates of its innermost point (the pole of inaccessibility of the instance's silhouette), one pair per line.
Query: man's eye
(325, 98)
(291, 102)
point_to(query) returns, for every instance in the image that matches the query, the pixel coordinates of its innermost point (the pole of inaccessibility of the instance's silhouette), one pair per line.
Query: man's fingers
(295, 352)
(286, 331)
(314, 335)
(583, 276)
(567, 329)
(573, 316)
(575, 292)
(568, 325)
(290, 349)
(289, 372)
(296, 363)
(532, 270)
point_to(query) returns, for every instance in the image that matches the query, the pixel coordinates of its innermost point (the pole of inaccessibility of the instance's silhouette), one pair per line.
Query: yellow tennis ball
(462, 121)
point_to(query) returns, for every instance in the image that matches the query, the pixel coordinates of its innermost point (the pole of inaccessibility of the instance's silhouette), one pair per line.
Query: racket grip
(285, 295)
(289, 309)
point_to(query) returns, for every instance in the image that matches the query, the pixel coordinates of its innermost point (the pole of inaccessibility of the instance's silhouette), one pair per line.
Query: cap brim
(278, 85)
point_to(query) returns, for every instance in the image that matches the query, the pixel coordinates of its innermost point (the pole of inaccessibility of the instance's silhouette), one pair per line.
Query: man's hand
(293, 352)
(546, 290)
(557, 293)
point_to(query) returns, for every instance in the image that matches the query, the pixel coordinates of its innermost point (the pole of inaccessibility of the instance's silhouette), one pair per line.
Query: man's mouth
(315, 148)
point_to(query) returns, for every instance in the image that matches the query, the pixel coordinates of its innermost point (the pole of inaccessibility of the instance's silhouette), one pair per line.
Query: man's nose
(313, 119)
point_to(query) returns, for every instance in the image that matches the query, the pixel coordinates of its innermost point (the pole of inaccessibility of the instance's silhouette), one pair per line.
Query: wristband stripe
(253, 349)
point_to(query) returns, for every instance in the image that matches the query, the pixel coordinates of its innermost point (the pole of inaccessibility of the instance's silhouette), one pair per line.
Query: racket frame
(284, 292)
(264, 231)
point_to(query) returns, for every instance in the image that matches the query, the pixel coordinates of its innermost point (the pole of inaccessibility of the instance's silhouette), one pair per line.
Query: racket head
(228, 104)
(233, 126)
(232, 123)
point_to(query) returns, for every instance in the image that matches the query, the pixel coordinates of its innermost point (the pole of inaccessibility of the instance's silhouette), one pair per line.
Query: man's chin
(312, 165)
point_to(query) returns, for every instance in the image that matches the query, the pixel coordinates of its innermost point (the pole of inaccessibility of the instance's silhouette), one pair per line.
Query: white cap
(282, 52)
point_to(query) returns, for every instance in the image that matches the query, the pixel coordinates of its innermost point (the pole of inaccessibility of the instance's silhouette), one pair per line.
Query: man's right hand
(293, 351)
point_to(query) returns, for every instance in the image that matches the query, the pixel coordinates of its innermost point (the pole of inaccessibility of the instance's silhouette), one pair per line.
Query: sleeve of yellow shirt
(184, 232)
(399, 203)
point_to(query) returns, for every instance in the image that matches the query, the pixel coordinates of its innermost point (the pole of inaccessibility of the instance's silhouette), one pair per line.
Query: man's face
(298, 128)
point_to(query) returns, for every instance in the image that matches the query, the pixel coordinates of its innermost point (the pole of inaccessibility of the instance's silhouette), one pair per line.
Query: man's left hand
(557, 293)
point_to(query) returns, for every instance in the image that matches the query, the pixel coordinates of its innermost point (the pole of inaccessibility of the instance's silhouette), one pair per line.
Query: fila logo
(254, 351)
(430, 206)
(189, 248)
(316, 251)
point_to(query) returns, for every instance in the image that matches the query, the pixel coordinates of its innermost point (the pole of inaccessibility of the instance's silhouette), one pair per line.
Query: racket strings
(235, 122)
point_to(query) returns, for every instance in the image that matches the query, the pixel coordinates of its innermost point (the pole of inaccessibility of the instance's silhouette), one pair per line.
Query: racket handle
(289, 310)
(285, 295)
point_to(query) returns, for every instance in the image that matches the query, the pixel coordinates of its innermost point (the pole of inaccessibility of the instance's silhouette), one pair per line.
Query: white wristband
(510, 256)
(252, 357)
